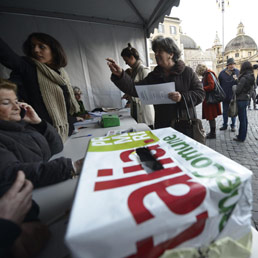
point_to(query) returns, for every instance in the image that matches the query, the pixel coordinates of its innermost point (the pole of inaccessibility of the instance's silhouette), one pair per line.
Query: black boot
(212, 134)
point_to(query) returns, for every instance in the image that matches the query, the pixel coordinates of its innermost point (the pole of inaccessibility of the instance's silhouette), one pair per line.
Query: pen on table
(88, 135)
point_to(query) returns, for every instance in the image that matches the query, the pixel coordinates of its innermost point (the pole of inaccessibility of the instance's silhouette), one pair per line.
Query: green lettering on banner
(207, 162)
(187, 155)
(122, 142)
(229, 187)
(224, 182)
(220, 168)
(226, 210)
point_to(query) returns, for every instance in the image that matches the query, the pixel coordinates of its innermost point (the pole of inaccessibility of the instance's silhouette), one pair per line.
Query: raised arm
(10, 59)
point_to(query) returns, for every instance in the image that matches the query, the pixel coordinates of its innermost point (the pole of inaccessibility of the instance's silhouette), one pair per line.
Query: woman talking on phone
(28, 143)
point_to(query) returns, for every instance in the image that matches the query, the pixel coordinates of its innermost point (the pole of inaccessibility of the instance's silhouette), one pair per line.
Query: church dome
(188, 42)
(241, 41)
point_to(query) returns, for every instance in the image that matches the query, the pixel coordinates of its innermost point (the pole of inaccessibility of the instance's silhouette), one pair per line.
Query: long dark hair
(246, 67)
(130, 51)
(58, 54)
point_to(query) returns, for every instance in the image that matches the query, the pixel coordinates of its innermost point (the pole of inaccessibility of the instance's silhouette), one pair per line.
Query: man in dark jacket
(228, 78)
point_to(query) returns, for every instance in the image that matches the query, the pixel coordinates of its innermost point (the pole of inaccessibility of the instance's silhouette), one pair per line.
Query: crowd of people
(38, 107)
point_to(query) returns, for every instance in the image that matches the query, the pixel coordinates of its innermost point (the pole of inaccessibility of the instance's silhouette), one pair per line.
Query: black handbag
(217, 95)
(191, 127)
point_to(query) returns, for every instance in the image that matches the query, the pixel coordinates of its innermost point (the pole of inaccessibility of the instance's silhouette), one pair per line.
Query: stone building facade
(241, 48)
(192, 54)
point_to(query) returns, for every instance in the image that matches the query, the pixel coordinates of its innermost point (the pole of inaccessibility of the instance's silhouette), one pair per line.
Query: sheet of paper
(93, 120)
(155, 93)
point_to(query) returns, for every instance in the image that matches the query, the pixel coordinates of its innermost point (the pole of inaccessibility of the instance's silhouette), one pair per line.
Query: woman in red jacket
(209, 111)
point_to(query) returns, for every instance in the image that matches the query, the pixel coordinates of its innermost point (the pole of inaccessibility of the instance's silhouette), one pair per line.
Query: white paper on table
(93, 120)
(155, 93)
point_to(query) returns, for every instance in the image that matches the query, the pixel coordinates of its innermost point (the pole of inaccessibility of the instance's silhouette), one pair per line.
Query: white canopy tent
(90, 31)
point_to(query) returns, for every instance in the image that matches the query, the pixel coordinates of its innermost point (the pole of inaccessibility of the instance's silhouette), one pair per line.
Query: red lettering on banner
(165, 161)
(146, 248)
(110, 184)
(132, 168)
(159, 152)
(149, 140)
(124, 156)
(105, 172)
(182, 204)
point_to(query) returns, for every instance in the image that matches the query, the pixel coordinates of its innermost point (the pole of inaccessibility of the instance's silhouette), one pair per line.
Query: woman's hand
(30, 116)
(79, 119)
(16, 202)
(77, 165)
(175, 96)
(114, 68)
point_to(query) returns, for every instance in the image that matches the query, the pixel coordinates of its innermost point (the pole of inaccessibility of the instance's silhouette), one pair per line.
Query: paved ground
(245, 153)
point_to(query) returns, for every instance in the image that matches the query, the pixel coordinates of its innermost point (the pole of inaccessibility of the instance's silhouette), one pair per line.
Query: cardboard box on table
(121, 211)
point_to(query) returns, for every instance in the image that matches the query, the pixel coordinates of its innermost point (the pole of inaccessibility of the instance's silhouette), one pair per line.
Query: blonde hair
(7, 85)
(200, 69)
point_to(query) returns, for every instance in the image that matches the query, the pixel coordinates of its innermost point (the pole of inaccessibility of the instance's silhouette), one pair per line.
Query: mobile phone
(22, 112)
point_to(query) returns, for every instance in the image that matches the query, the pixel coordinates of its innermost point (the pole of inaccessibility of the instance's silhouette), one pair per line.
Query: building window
(172, 30)
(236, 54)
(161, 28)
(249, 53)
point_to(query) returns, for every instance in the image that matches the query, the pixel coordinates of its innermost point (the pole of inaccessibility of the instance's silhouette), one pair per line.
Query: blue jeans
(225, 106)
(242, 116)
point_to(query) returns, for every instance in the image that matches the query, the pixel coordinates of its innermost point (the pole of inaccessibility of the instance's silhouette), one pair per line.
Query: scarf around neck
(49, 83)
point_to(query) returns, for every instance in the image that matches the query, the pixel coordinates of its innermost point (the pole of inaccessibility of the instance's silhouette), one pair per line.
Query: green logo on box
(122, 142)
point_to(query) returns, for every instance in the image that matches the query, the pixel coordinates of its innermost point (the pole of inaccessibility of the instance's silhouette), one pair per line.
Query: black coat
(25, 76)
(245, 86)
(186, 82)
(29, 148)
(8, 234)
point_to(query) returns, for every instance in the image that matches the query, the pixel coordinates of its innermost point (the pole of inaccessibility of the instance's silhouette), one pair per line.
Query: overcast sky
(202, 18)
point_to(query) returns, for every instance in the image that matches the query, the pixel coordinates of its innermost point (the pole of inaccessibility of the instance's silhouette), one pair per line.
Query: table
(75, 148)
(55, 200)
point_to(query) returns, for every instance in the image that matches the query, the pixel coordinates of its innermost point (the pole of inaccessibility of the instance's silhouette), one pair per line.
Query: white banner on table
(120, 210)
(155, 93)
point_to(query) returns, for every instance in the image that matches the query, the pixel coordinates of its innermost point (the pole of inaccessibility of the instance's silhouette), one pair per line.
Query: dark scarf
(177, 69)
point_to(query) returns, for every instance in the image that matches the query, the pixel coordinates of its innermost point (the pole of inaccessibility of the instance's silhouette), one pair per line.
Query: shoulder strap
(214, 79)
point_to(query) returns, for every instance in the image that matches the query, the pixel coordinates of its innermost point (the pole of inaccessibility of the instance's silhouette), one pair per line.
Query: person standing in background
(137, 71)
(209, 111)
(253, 93)
(83, 112)
(228, 78)
(244, 88)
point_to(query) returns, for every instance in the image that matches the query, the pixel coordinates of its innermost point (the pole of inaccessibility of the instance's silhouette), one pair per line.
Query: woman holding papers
(141, 113)
(169, 69)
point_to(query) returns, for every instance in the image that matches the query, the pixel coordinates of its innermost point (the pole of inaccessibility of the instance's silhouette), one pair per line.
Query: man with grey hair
(228, 78)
